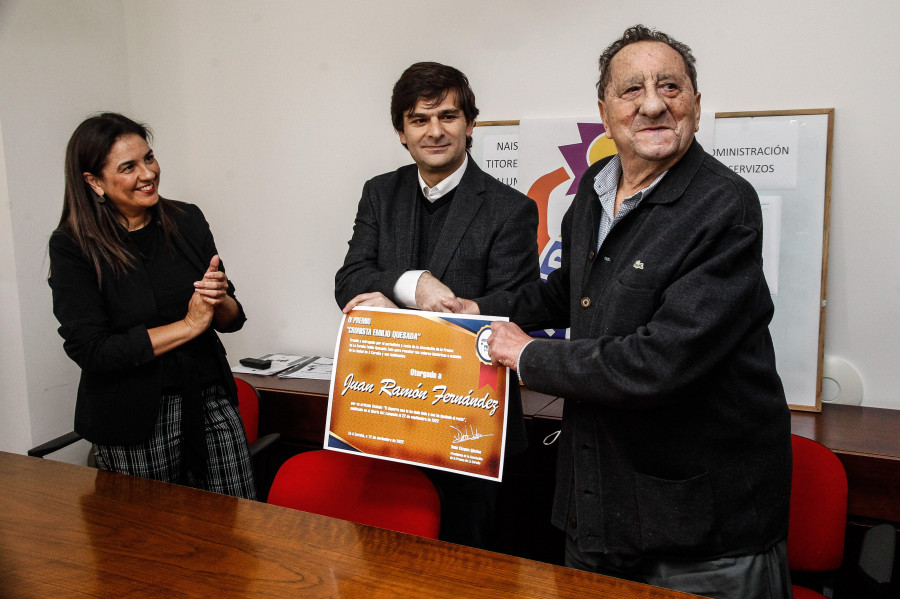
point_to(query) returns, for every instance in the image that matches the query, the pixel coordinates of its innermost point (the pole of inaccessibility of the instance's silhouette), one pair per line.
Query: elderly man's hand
(506, 343)
(431, 294)
(375, 298)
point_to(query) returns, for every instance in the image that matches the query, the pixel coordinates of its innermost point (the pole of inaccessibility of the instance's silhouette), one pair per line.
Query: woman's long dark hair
(95, 225)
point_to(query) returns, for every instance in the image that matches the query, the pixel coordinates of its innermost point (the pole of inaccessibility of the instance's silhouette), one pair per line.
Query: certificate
(418, 387)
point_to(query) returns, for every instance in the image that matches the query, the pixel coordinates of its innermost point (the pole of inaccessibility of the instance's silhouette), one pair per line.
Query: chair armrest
(263, 442)
(876, 556)
(54, 444)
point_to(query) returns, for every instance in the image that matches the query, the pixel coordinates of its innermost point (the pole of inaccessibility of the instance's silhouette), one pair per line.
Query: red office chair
(818, 514)
(819, 520)
(360, 489)
(248, 406)
(263, 468)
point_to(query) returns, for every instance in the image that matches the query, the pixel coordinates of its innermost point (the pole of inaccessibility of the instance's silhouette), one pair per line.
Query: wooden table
(867, 440)
(73, 531)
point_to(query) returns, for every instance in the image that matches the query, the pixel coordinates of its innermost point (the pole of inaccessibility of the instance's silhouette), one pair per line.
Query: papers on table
(280, 362)
(313, 367)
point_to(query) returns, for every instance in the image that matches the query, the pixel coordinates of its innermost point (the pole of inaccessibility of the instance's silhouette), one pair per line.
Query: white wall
(59, 61)
(270, 115)
(12, 350)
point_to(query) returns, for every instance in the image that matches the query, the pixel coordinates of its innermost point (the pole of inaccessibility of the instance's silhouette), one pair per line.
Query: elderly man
(674, 462)
(436, 228)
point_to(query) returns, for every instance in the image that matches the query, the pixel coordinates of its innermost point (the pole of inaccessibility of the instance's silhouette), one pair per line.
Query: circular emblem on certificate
(481, 345)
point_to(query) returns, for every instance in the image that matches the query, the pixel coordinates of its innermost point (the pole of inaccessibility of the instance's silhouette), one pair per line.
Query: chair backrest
(360, 489)
(248, 406)
(818, 508)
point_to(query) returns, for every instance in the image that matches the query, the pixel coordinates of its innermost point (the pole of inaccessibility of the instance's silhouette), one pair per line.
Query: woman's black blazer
(105, 333)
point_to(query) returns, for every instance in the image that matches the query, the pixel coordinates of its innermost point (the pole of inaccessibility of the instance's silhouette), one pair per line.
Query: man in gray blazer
(674, 464)
(433, 230)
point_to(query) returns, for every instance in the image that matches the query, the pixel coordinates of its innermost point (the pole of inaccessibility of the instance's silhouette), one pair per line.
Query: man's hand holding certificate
(418, 387)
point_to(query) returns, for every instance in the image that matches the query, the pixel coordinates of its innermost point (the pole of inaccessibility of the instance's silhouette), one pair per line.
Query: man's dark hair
(431, 82)
(639, 33)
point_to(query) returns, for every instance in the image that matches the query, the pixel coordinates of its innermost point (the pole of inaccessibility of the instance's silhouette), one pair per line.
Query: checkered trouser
(228, 469)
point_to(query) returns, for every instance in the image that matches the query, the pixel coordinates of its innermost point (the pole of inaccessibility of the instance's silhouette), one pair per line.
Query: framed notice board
(785, 155)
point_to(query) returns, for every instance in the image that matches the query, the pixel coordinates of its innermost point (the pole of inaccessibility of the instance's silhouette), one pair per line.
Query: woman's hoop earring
(100, 199)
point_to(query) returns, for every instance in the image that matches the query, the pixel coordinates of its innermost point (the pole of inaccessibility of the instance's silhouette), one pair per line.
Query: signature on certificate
(469, 434)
